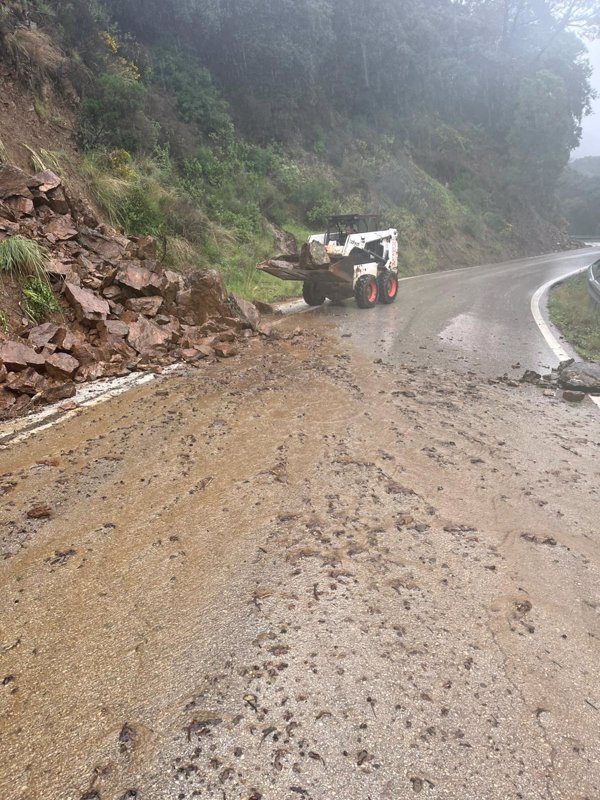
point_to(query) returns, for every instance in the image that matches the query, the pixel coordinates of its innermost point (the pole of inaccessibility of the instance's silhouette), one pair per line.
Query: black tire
(313, 295)
(388, 286)
(366, 291)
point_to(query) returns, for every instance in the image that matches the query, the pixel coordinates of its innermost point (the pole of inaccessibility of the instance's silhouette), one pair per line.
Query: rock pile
(122, 311)
(574, 378)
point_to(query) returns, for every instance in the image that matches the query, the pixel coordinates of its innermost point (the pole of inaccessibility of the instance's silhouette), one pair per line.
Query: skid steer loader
(352, 258)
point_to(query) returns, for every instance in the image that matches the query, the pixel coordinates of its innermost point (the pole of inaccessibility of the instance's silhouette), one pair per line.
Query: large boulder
(112, 327)
(17, 356)
(108, 247)
(88, 305)
(60, 229)
(7, 401)
(582, 376)
(16, 183)
(139, 279)
(47, 180)
(314, 256)
(205, 298)
(43, 334)
(28, 382)
(246, 311)
(146, 337)
(171, 284)
(61, 366)
(149, 306)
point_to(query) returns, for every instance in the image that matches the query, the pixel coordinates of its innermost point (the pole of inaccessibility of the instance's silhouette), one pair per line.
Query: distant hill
(579, 197)
(588, 166)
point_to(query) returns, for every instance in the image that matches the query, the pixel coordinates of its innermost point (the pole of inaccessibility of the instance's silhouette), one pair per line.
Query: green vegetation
(206, 124)
(571, 310)
(38, 301)
(579, 194)
(24, 260)
(21, 258)
(3, 322)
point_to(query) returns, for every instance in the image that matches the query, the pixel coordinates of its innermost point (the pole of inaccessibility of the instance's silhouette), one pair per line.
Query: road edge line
(545, 328)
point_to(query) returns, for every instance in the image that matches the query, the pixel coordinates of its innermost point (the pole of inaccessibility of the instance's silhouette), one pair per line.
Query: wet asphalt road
(309, 572)
(477, 318)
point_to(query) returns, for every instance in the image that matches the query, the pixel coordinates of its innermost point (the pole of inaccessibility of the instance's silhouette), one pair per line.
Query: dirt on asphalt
(304, 573)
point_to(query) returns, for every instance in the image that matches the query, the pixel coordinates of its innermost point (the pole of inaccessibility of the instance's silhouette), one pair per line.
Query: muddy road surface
(312, 572)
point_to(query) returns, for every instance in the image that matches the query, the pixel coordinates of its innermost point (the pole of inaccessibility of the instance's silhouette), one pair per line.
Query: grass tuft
(38, 301)
(36, 160)
(22, 258)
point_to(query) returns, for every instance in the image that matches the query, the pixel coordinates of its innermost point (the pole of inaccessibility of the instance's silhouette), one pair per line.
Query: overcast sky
(590, 144)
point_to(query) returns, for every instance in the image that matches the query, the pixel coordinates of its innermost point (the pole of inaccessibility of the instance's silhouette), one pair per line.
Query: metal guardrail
(594, 282)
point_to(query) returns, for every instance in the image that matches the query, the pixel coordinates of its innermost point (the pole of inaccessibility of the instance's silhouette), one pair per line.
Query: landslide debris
(121, 311)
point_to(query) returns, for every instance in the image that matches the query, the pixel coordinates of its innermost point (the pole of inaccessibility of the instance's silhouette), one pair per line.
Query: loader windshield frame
(341, 226)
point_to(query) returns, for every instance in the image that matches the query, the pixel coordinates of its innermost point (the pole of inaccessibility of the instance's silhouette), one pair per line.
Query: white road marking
(553, 343)
(90, 394)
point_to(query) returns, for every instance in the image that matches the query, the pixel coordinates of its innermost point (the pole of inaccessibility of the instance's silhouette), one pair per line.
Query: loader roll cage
(341, 226)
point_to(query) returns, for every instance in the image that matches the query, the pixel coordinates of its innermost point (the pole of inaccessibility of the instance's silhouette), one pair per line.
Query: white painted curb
(545, 329)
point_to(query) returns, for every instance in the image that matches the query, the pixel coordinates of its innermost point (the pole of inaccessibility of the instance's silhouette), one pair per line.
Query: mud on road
(306, 573)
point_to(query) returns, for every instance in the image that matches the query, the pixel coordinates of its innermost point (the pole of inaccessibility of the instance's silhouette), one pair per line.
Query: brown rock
(247, 312)
(21, 205)
(3, 372)
(42, 335)
(67, 339)
(109, 247)
(145, 336)
(61, 228)
(88, 305)
(112, 292)
(145, 248)
(46, 180)
(225, 349)
(57, 269)
(61, 366)
(84, 353)
(113, 327)
(39, 512)
(139, 279)
(15, 183)
(27, 382)
(17, 356)
(59, 391)
(191, 354)
(149, 306)
(7, 215)
(206, 296)
(573, 397)
(115, 346)
(226, 336)
(313, 255)
(7, 401)
(58, 202)
(172, 283)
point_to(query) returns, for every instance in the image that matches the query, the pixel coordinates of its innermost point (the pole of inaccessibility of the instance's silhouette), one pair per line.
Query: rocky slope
(120, 310)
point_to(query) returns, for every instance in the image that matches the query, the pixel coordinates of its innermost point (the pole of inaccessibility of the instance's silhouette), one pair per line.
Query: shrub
(198, 102)
(22, 257)
(38, 299)
(113, 116)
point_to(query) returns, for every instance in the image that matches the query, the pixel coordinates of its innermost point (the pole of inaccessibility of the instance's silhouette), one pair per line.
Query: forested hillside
(216, 125)
(579, 196)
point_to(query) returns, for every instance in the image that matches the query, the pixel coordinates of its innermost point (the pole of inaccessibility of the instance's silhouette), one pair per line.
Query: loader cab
(344, 225)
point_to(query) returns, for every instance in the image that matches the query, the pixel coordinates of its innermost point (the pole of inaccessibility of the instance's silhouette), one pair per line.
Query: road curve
(477, 318)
